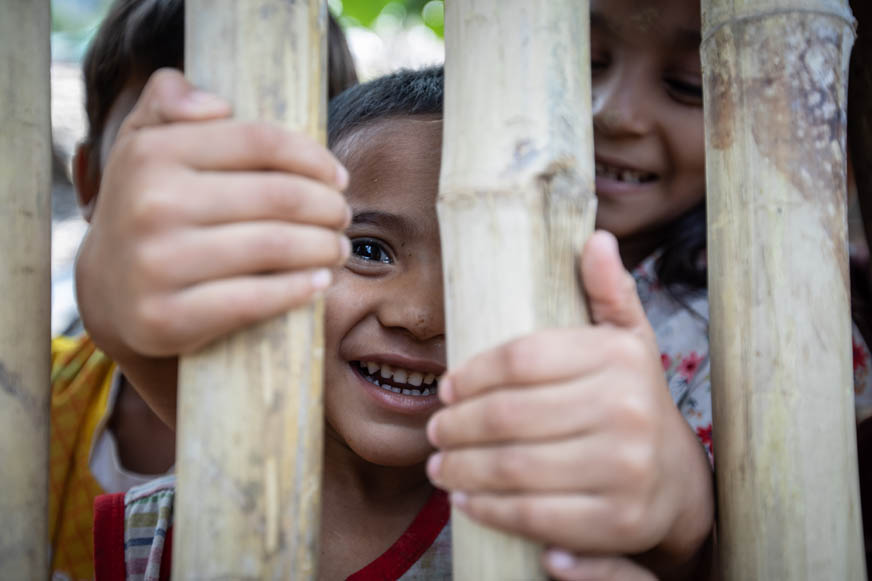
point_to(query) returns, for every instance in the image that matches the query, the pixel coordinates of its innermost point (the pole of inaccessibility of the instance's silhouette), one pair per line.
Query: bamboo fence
(251, 414)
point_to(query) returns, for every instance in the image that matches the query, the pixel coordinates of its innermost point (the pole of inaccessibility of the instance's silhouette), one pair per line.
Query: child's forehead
(391, 142)
(393, 162)
(646, 19)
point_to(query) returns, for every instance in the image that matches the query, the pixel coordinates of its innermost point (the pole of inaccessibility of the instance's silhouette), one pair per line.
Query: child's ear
(86, 178)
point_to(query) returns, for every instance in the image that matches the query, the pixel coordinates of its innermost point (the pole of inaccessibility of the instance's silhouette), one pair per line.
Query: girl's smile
(648, 122)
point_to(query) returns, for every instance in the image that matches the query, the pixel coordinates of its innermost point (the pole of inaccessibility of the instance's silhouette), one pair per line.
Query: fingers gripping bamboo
(516, 200)
(250, 410)
(775, 76)
(25, 287)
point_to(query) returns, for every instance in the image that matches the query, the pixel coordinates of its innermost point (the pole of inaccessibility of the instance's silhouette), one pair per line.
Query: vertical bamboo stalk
(25, 286)
(250, 407)
(775, 75)
(515, 209)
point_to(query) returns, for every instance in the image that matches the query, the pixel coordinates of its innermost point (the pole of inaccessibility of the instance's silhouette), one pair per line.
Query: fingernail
(431, 431)
(433, 466)
(445, 390)
(321, 278)
(341, 177)
(459, 499)
(346, 247)
(560, 559)
(609, 241)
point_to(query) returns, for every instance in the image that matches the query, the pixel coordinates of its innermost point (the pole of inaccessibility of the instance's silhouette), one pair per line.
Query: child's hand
(570, 436)
(204, 225)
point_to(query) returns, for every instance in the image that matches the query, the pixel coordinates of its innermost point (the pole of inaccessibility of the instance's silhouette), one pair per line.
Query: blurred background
(384, 35)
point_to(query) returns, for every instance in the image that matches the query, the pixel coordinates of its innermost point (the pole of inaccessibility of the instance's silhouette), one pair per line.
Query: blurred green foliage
(74, 21)
(403, 12)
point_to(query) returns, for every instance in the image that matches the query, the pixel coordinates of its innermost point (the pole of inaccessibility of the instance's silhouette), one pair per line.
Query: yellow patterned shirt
(81, 379)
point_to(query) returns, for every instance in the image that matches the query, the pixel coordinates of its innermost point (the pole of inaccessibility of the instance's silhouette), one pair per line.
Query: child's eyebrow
(384, 220)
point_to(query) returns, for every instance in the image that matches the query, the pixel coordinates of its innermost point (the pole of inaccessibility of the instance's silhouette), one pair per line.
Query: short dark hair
(403, 93)
(137, 37)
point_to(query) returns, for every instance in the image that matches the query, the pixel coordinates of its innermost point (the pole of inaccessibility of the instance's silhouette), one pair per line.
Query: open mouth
(397, 379)
(623, 175)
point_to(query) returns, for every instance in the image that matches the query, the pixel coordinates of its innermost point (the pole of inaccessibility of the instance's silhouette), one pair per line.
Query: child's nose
(621, 106)
(416, 308)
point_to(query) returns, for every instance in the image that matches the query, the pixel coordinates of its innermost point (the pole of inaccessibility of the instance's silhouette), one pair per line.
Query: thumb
(168, 97)
(611, 290)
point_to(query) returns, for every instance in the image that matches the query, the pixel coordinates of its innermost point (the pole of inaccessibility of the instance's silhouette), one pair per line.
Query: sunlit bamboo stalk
(516, 200)
(250, 443)
(25, 286)
(775, 75)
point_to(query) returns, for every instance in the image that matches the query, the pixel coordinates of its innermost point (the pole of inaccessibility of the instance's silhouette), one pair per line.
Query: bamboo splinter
(250, 438)
(25, 287)
(518, 75)
(775, 74)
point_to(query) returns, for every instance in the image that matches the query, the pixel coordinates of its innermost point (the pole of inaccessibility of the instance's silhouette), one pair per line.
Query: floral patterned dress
(682, 336)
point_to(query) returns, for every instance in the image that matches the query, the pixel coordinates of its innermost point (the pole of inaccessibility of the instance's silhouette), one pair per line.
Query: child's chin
(407, 454)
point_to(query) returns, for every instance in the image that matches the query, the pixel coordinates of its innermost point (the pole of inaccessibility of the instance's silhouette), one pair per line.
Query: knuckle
(633, 411)
(150, 209)
(629, 520)
(517, 355)
(148, 263)
(509, 467)
(500, 416)
(284, 194)
(273, 244)
(153, 325)
(527, 516)
(262, 137)
(637, 463)
(627, 347)
(138, 148)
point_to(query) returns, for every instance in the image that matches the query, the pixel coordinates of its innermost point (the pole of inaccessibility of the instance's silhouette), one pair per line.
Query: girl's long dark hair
(680, 267)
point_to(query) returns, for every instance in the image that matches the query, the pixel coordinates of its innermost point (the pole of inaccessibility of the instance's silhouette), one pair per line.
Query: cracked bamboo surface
(516, 200)
(775, 75)
(25, 285)
(250, 440)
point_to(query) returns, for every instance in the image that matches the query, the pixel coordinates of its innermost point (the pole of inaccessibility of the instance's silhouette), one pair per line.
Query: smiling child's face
(385, 308)
(647, 104)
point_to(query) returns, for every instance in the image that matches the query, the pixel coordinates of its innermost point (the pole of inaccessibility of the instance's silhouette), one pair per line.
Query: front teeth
(378, 372)
(623, 175)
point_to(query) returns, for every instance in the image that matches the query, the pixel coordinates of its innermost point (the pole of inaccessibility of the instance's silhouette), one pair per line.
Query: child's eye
(598, 64)
(685, 92)
(370, 250)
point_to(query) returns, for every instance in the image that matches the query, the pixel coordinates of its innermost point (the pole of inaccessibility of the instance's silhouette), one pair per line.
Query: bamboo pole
(250, 420)
(775, 76)
(517, 72)
(25, 287)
